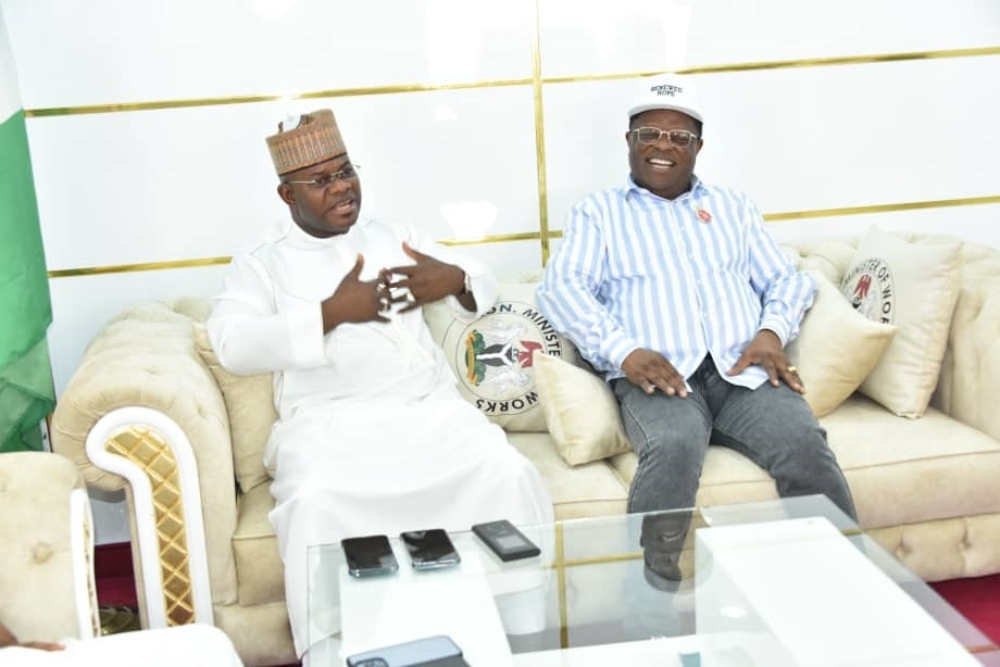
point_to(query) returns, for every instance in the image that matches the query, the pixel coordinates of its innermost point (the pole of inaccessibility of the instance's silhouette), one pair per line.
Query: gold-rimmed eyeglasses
(347, 172)
(678, 138)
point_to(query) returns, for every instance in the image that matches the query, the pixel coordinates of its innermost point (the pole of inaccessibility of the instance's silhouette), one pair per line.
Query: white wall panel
(976, 224)
(806, 139)
(509, 259)
(82, 305)
(458, 164)
(582, 37)
(802, 139)
(82, 52)
(198, 182)
(585, 37)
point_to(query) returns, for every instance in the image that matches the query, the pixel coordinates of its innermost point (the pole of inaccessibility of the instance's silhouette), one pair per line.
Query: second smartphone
(430, 549)
(369, 556)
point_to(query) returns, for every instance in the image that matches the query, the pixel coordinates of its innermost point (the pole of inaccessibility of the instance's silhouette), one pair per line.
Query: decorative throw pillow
(492, 356)
(837, 347)
(580, 410)
(250, 406)
(914, 286)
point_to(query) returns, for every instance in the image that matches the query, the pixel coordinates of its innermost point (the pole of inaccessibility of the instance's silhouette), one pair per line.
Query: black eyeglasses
(678, 138)
(347, 172)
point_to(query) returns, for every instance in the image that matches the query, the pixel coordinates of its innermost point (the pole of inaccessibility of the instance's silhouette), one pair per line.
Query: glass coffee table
(785, 582)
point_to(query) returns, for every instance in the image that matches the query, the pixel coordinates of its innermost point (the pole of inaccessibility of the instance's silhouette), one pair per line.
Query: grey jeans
(772, 426)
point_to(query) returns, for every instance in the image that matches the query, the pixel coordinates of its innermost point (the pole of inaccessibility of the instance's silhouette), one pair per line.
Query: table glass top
(595, 585)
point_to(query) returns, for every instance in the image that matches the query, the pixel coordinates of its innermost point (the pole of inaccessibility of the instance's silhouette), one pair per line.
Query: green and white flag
(26, 392)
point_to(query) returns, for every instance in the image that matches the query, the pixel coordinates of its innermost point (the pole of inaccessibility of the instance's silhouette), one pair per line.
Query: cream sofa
(146, 411)
(47, 587)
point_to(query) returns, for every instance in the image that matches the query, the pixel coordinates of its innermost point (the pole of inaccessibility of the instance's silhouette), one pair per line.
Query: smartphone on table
(439, 651)
(506, 541)
(430, 549)
(369, 556)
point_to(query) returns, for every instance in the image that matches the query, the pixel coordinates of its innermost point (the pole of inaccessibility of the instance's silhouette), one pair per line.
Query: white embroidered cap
(668, 91)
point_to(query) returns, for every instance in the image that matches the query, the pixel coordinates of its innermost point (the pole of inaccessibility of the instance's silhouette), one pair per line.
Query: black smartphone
(506, 541)
(430, 549)
(438, 650)
(369, 556)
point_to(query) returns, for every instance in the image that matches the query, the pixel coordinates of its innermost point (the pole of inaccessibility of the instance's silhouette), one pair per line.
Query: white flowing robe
(372, 436)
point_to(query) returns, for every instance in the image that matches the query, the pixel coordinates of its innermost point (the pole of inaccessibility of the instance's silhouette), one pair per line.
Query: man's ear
(286, 194)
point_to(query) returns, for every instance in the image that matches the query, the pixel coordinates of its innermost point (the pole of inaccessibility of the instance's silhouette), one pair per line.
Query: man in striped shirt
(674, 290)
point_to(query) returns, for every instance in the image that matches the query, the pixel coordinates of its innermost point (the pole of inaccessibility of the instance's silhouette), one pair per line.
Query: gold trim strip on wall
(145, 266)
(555, 234)
(881, 208)
(212, 261)
(787, 64)
(497, 238)
(423, 87)
(251, 99)
(541, 174)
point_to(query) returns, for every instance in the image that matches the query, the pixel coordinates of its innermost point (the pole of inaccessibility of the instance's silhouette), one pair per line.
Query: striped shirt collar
(631, 187)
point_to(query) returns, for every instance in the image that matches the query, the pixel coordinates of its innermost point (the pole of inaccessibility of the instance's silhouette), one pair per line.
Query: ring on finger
(384, 304)
(793, 369)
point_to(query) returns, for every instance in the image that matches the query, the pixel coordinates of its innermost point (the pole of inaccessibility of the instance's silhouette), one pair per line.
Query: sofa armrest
(969, 386)
(143, 412)
(47, 559)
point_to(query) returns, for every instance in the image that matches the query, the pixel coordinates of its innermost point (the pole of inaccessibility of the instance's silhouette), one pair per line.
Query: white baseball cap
(666, 92)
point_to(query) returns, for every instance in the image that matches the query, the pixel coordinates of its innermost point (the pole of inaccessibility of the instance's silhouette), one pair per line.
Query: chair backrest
(47, 586)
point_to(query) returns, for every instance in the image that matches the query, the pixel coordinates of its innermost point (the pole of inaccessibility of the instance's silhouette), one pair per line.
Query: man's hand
(650, 371)
(7, 638)
(765, 350)
(428, 280)
(357, 300)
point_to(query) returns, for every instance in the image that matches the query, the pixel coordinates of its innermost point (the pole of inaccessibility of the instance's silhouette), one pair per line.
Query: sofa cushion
(591, 489)
(970, 373)
(492, 356)
(905, 471)
(836, 349)
(580, 411)
(259, 569)
(900, 470)
(828, 257)
(250, 407)
(913, 285)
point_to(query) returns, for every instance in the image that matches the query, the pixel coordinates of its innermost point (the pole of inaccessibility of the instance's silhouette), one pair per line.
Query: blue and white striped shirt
(685, 277)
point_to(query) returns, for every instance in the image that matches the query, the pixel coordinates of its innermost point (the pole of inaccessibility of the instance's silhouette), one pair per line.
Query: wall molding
(534, 80)
(552, 234)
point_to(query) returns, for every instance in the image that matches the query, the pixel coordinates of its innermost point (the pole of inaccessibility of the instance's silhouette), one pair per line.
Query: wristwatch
(467, 281)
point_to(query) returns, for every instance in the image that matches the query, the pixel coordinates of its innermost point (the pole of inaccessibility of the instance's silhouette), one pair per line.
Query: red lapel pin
(704, 215)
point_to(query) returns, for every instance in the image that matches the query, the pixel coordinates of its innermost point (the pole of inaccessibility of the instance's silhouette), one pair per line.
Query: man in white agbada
(372, 435)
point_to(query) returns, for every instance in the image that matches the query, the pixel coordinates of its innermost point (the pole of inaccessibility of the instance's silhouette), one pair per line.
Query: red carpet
(977, 599)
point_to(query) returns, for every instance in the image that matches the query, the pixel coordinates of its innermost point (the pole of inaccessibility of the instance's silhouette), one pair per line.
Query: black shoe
(661, 571)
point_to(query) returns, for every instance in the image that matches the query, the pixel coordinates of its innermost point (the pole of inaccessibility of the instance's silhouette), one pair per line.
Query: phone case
(506, 541)
(436, 650)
